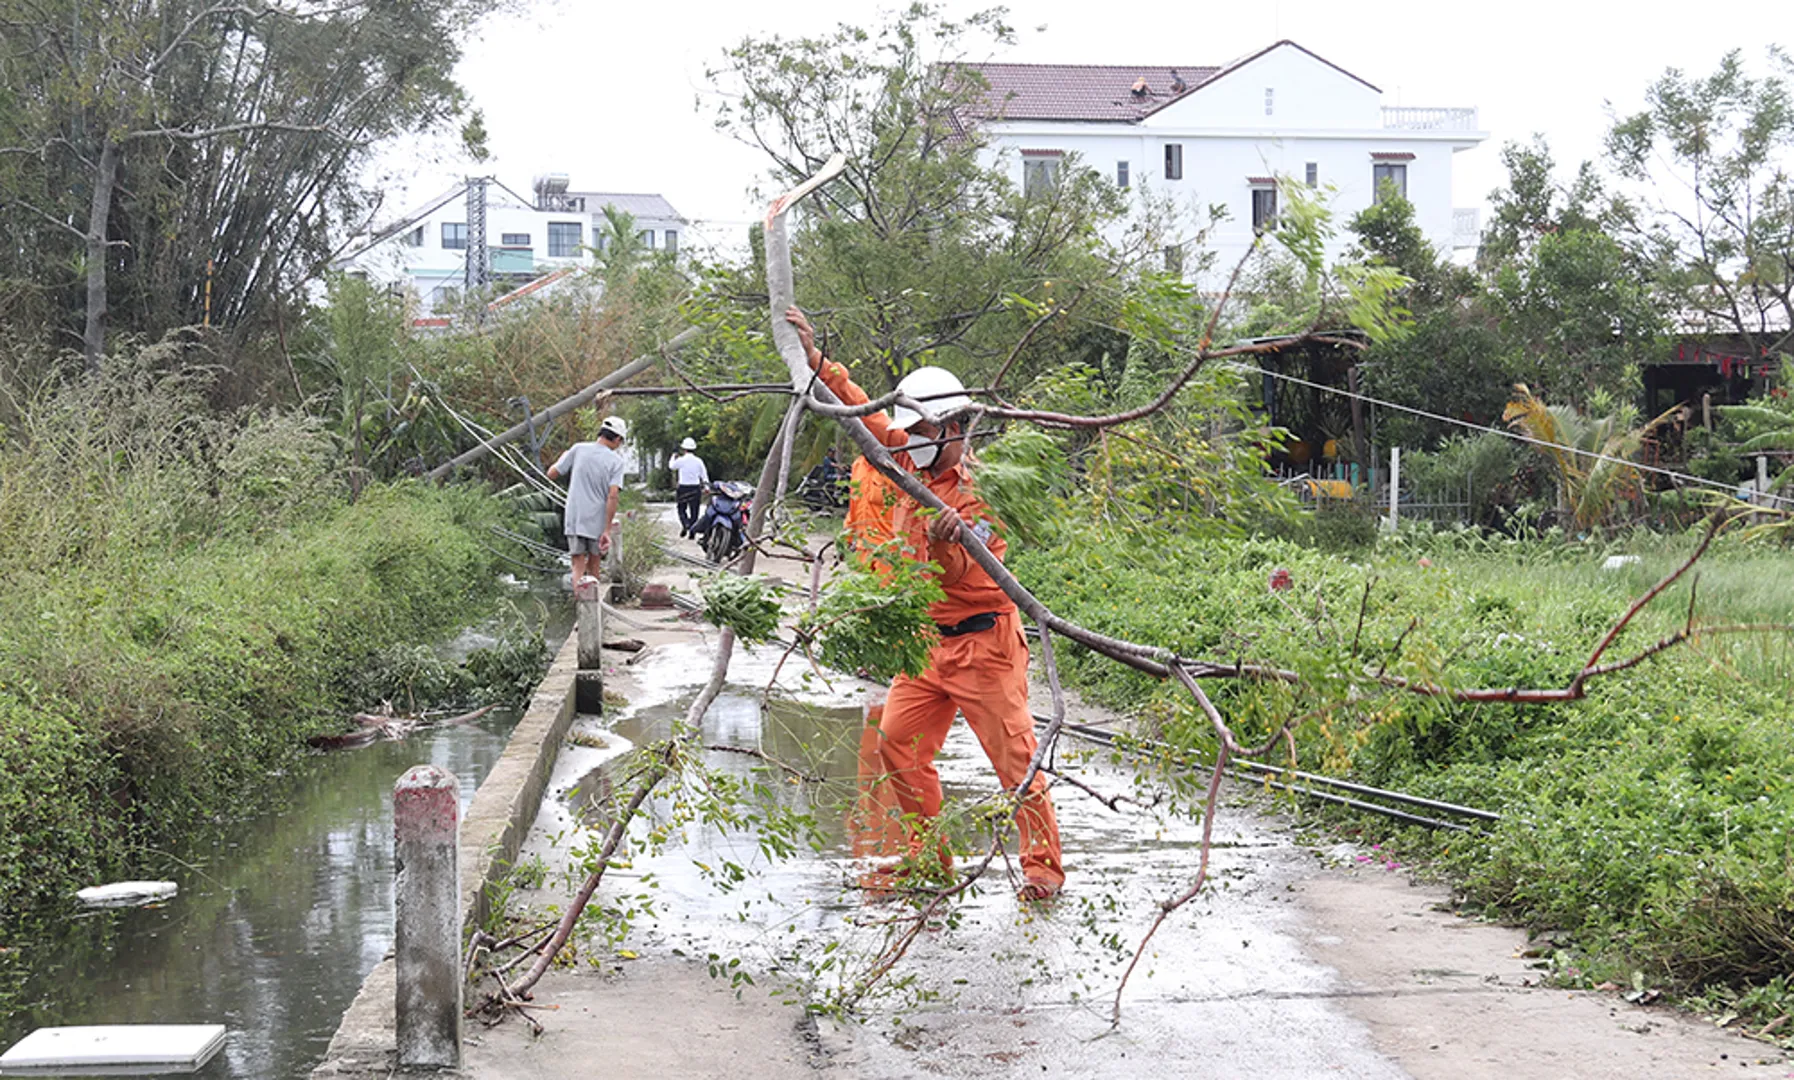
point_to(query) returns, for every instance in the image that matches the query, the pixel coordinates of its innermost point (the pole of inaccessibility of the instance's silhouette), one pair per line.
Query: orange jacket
(870, 506)
(970, 591)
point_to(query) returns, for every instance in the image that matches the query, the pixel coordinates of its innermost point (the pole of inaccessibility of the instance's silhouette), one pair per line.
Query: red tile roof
(1083, 91)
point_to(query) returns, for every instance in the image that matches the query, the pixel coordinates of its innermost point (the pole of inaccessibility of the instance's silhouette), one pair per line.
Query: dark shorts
(582, 545)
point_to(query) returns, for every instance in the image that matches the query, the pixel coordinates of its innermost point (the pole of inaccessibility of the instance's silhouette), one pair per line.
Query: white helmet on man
(935, 389)
(614, 425)
(688, 443)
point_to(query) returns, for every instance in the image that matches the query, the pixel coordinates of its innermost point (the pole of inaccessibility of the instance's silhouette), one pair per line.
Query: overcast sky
(610, 93)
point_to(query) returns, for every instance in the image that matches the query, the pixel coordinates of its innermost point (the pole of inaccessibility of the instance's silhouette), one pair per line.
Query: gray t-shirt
(591, 471)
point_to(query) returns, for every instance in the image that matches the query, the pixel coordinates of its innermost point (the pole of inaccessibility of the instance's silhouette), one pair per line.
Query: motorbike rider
(980, 665)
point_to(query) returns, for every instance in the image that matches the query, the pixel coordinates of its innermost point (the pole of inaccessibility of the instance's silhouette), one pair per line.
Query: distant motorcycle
(824, 489)
(723, 529)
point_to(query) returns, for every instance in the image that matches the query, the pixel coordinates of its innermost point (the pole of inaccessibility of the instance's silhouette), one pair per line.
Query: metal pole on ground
(427, 897)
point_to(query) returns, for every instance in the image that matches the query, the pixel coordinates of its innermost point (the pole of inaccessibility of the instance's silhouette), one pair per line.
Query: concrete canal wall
(492, 831)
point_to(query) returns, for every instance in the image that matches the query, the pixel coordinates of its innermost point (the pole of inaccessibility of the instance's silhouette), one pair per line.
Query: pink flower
(1425, 563)
(1281, 579)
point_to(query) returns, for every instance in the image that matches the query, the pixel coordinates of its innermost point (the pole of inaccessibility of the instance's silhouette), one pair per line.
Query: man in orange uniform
(980, 665)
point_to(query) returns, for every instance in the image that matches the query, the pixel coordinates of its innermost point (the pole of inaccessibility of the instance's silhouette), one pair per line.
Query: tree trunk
(99, 218)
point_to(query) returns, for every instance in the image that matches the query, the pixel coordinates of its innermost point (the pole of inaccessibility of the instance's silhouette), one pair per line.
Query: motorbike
(824, 489)
(723, 528)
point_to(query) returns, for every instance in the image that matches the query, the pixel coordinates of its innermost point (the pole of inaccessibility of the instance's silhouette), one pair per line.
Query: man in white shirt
(693, 477)
(594, 472)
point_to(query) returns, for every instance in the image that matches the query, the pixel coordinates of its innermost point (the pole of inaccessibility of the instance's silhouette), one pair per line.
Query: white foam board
(126, 893)
(113, 1045)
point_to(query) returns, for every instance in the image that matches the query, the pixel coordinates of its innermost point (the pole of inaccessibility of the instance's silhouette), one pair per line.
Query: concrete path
(1291, 966)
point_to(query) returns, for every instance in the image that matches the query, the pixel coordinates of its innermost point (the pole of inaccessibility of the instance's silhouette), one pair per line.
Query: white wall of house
(1320, 117)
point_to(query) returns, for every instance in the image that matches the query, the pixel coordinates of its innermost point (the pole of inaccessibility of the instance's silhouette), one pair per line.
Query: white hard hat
(614, 425)
(935, 389)
(688, 443)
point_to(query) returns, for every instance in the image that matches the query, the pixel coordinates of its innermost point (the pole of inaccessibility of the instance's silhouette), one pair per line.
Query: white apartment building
(1204, 135)
(427, 251)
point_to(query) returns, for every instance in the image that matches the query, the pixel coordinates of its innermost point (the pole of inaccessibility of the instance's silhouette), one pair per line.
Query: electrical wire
(1685, 478)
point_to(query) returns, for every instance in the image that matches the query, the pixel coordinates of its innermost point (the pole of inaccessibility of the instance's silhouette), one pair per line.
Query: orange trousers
(985, 676)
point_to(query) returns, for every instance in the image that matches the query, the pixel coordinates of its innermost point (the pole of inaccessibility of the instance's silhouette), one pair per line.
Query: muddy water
(275, 925)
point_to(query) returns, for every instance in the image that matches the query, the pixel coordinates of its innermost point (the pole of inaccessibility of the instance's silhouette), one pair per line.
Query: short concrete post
(588, 685)
(1395, 487)
(426, 825)
(1763, 498)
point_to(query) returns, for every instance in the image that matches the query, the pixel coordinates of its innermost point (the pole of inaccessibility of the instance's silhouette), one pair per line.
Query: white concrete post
(588, 681)
(427, 951)
(1395, 486)
(1762, 498)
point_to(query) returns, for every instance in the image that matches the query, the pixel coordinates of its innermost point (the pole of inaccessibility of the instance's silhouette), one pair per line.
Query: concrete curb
(366, 1042)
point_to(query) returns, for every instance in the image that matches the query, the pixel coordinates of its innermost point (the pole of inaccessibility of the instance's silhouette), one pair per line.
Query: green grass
(1651, 823)
(149, 695)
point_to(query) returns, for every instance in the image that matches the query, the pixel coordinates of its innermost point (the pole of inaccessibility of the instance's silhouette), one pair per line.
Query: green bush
(1651, 822)
(143, 701)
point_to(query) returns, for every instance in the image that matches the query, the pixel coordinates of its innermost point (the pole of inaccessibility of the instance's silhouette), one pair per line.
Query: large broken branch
(565, 405)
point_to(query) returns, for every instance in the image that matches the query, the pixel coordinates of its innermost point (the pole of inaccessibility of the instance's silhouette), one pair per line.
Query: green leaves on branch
(1025, 479)
(748, 606)
(877, 624)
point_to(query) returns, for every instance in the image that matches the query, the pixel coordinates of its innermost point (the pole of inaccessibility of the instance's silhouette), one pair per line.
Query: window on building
(1264, 209)
(1040, 174)
(646, 238)
(515, 239)
(1268, 99)
(1174, 259)
(414, 238)
(444, 298)
(564, 239)
(1174, 161)
(1393, 173)
(454, 235)
(1121, 177)
(672, 242)
(1312, 174)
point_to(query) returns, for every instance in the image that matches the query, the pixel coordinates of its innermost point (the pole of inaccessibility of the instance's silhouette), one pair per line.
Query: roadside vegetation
(1643, 829)
(188, 594)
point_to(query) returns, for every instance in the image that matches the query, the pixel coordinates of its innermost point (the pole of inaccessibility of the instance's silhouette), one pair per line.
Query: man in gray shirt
(594, 472)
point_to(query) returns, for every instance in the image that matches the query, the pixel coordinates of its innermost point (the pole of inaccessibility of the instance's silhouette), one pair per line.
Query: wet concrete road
(1009, 989)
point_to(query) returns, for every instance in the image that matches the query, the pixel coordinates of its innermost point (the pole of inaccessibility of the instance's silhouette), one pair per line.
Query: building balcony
(1405, 118)
(1466, 227)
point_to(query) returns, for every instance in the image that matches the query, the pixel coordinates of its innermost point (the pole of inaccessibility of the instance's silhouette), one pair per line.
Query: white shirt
(690, 468)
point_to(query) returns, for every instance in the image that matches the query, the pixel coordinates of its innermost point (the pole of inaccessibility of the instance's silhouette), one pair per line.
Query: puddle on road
(999, 987)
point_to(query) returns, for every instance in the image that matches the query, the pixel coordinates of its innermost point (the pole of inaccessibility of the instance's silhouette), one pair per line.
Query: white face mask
(923, 456)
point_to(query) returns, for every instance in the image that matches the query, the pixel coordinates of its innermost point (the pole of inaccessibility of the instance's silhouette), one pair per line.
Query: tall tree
(1711, 155)
(189, 157)
(920, 248)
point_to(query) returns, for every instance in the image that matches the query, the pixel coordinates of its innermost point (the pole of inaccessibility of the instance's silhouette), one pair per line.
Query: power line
(1687, 478)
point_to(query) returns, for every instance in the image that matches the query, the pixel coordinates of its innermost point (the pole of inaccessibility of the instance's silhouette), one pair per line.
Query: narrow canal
(278, 922)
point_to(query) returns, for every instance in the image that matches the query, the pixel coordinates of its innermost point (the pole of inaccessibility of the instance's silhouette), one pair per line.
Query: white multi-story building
(1223, 136)
(427, 251)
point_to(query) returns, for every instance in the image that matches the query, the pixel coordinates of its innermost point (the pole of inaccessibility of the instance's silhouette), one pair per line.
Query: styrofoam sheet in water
(126, 893)
(112, 1049)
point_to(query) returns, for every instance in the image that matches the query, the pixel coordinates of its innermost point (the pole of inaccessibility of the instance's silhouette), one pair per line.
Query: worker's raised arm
(835, 377)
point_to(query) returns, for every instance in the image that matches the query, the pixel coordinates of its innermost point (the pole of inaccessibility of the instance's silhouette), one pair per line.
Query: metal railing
(1429, 119)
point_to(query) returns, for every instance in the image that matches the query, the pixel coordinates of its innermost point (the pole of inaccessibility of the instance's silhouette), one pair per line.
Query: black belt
(970, 625)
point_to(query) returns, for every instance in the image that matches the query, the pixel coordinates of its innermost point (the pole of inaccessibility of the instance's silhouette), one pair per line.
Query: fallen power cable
(1256, 773)
(1265, 775)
